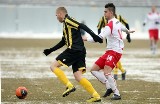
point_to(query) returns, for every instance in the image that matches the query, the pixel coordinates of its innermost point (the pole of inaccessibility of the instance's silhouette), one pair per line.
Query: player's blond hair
(62, 9)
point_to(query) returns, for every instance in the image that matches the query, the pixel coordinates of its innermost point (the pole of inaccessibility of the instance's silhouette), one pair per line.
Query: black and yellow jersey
(103, 21)
(72, 34)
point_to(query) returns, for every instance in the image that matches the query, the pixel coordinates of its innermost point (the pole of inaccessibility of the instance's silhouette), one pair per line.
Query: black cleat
(108, 92)
(68, 91)
(116, 97)
(124, 75)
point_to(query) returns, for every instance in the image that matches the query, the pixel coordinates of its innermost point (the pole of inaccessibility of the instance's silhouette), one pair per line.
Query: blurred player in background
(102, 23)
(153, 19)
(74, 54)
(112, 32)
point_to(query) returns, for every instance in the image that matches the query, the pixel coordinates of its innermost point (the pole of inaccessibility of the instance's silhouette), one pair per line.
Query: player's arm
(100, 25)
(106, 31)
(88, 30)
(124, 29)
(76, 25)
(59, 45)
(158, 20)
(145, 20)
(123, 21)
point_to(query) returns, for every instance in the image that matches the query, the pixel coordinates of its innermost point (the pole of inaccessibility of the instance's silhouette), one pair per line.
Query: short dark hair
(111, 7)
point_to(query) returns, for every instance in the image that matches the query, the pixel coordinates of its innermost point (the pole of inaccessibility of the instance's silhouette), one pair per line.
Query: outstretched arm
(74, 23)
(94, 36)
(128, 31)
(123, 21)
(50, 50)
(106, 31)
(124, 29)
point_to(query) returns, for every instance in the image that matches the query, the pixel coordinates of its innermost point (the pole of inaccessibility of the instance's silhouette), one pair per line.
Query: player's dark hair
(111, 7)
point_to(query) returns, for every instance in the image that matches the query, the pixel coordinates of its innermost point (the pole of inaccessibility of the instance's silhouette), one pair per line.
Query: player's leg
(152, 43)
(87, 86)
(112, 82)
(79, 68)
(63, 59)
(95, 70)
(155, 39)
(62, 77)
(115, 71)
(111, 58)
(120, 67)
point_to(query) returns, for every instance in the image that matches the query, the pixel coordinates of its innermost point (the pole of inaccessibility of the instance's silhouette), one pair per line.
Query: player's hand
(84, 38)
(128, 38)
(47, 51)
(156, 22)
(97, 39)
(130, 31)
(144, 24)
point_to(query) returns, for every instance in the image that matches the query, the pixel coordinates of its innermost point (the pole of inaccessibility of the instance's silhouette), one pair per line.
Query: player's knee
(78, 78)
(78, 75)
(96, 74)
(107, 74)
(93, 72)
(54, 65)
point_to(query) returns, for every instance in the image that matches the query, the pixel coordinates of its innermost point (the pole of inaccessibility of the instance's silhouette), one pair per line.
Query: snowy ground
(31, 63)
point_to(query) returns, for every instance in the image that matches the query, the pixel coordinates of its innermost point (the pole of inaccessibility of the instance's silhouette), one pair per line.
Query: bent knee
(54, 65)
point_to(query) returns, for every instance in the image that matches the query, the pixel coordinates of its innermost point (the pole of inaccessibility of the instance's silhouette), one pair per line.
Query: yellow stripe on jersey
(103, 21)
(71, 22)
(70, 38)
(65, 34)
(99, 24)
(72, 27)
(122, 20)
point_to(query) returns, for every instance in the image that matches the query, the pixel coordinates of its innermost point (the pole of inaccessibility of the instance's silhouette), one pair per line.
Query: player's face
(153, 9)
(107, 13)
(59, 16)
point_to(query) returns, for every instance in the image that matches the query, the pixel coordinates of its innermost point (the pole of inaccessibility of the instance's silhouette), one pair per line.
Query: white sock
(154, 48)
(112, 83)
(101, 77)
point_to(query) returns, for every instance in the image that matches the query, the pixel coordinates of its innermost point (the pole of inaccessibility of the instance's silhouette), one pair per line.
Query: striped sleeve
(101, 23)
(122, 20)
(72, 22)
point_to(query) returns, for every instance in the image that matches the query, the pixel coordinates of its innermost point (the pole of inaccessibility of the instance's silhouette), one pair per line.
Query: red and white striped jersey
(151, 20)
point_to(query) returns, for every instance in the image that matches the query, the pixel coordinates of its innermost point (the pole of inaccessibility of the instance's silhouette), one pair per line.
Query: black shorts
(72, 57)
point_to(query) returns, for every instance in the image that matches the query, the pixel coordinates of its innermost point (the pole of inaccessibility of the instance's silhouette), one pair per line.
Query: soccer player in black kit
(74, 54)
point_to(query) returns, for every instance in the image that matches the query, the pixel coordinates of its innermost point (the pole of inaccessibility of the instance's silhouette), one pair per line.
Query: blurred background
(36, 18)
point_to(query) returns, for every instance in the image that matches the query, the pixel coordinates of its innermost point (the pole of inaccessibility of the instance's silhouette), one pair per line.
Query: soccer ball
(21, 92)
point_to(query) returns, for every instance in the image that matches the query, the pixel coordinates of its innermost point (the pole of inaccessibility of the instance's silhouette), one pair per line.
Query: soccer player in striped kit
(153, 19)
(74, 55)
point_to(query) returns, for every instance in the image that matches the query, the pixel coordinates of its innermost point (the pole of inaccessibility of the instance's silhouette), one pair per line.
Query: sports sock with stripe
(101, 77)
(112, 83)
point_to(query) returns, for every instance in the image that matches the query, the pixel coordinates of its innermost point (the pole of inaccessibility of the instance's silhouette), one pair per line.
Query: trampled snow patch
(23, 64)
